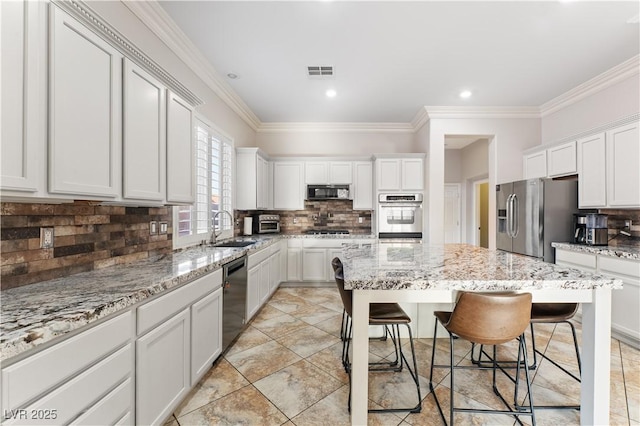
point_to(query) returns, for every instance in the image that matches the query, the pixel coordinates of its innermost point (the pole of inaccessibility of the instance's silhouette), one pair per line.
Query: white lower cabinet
(294, 264)
(625, 303)
(265, 281)
(115, 408)
(263, 277)
(275, 272)
(253, 291)
(314, 264)
(206, 335)
(332, 253)
(162, 369)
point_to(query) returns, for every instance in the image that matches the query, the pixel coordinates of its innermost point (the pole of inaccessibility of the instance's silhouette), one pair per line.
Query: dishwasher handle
(234, 266)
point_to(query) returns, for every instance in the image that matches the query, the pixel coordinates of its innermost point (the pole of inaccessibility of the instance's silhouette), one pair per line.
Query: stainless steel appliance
(234, 299)
(531, 214)
(328, 192)
(266, 224)
(326, 231)
(597, 232)
(579, 228)
(400, 215)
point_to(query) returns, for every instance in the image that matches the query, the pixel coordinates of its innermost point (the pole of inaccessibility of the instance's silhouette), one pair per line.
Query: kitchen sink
(235, 243)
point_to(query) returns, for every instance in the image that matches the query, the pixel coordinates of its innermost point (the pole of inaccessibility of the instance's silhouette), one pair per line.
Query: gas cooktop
(326, 231)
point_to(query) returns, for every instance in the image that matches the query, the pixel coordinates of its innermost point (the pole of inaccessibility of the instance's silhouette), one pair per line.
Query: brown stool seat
(552, 312)
(443, 316)
(387, 313)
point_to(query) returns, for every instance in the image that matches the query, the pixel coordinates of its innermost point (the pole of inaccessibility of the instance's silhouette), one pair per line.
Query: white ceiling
(391, 58)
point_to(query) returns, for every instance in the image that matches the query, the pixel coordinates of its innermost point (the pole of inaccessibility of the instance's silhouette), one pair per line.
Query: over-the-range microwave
(328, 192)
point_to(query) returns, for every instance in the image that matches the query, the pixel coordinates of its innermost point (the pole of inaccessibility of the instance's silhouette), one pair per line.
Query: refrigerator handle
(514, 212)
(509, 218)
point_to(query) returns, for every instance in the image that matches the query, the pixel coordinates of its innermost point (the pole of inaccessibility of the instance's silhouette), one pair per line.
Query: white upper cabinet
(363, 185)
(23, 132)
(592, 175)
(144, 135)
(562, 160)
(253, 179)
(328, 172)
(288, 185)
(535, 165)
(180, 151)
(400, 174)
(623, 166)
(85, 109)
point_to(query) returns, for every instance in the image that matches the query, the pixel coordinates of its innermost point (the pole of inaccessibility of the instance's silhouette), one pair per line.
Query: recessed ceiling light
(465, 94)
(232, 76)
(331, 93)
(634, 19)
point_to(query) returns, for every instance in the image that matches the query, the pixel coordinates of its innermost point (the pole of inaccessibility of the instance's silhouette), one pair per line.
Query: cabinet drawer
(274, 248)
(76, 395)
(611, 265)
(294, 242)
(109, 409)
(583, 260)
(37, 374)
(322, 243)
(154, 312)
(257, 257)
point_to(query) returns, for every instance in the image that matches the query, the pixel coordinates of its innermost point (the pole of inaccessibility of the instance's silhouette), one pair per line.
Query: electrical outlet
(628, 223)
(360, 219)
(153, 227)
(295, 220)
(163, 228)
(46, 237)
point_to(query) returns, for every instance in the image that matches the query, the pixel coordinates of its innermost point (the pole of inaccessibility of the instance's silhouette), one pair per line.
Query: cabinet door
(144, 138)
(274, 272)
(206, 333)
(247, 179)
(535, 165)
(253, 291)
(340, 172)
(363, 185)
(561, 160)
(180, 151)
(316, 173)
(288, 193)
(84, 110)
(162, 369)
(388, 172)
(625, 302)
(592, 190)
(623, 166)
(265, 281)
(294, 264)
(412, 174)
(314, 264)
(22, 151)
(331, 253)
(263, 183)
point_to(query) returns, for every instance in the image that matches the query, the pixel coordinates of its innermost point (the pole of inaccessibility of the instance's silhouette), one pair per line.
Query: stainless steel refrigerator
(533, 213)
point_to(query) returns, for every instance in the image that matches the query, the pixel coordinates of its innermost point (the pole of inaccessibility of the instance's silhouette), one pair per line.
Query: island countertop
(396, 266)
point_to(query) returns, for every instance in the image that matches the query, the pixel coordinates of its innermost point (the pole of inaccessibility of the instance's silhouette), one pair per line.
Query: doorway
(481, 217)
(452, 225)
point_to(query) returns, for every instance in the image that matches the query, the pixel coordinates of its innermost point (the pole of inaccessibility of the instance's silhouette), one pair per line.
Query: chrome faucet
(214, 236)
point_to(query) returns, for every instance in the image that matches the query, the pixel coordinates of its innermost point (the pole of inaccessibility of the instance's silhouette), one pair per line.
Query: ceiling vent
(320, 71)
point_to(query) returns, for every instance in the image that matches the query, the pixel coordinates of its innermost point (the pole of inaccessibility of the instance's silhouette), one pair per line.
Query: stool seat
(552, 312)
(387, 313)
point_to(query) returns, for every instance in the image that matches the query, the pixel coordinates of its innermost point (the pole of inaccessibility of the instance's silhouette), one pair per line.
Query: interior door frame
(476, 210)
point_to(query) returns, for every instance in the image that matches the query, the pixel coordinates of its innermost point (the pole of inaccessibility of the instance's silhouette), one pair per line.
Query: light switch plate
(153, 228)
(163, 228)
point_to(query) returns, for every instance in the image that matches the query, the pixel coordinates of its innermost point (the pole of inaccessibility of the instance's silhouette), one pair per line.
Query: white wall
(214, 109)
(452, 165)
(615, 102)
(334, 142)
(508, 137)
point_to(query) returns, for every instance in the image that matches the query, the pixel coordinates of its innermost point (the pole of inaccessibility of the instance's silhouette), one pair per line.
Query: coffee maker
(597, 232)
(580, 228)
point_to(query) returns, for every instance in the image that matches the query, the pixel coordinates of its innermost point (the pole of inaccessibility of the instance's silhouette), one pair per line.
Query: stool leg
(575, 344)
(451, 392)
(533, 348)
(431, 388)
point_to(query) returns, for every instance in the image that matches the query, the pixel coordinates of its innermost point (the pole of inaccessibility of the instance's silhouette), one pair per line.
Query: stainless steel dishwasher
(234, 301)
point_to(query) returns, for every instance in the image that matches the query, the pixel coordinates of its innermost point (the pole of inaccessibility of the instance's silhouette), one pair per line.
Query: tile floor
(285, 369)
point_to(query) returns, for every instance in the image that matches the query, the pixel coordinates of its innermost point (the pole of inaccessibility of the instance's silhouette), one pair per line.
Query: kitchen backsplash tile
(334, 214)
(86, 237)
(615, 222)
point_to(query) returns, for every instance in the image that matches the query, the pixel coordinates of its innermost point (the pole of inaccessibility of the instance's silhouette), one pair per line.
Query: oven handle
(396, 204)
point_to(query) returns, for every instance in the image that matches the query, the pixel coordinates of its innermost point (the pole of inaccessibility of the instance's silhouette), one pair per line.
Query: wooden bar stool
(485, 319)
(390, 316)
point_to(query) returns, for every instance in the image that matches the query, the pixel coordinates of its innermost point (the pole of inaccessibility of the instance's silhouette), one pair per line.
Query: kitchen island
(419, 273)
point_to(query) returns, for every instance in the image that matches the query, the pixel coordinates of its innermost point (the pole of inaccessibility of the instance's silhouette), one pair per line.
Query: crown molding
(160, 23)
(608, 78)
(84, 13)
(420, 119)
(336, 127)
(481, 112)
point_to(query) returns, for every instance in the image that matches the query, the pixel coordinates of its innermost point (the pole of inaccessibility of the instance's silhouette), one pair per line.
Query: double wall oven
(400, 215)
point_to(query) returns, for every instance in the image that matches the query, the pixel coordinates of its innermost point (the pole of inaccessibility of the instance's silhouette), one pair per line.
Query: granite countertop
(37, 313)
(384, 266)
(622, 252)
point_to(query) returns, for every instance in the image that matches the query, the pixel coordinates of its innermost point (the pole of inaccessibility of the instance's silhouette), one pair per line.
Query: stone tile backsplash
(334, 214)
(615, 222)
(86, 237)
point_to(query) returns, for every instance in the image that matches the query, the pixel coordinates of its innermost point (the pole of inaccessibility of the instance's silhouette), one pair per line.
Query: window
(214, 160)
